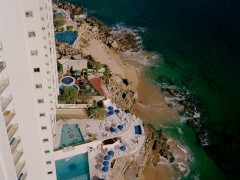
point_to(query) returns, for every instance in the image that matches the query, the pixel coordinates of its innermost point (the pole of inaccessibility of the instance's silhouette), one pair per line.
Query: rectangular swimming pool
(73, 168)
(138, 129)
(70, 135)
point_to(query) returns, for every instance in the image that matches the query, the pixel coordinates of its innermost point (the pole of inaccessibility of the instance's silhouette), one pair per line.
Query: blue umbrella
(123, 148)
(112, 129)
(105, 163)
(105, 169)
(120, 127)
(107, 157)
(110, 108)
(117, 111)
(111, 113)
(110, 153)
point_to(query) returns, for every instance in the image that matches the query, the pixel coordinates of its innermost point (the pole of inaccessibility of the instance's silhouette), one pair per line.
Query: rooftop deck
(95, 132)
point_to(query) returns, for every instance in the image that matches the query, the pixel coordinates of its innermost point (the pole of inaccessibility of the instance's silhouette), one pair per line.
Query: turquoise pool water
(74, 86)
(73, 168)
(66, 36)
(138, 129)
(71, 135)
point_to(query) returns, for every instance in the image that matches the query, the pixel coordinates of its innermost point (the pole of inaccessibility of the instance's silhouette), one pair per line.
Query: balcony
(2, 66)
(16, 156)
(1, 46)
(4, 101)
(11, 130)
(8, 115)
(19, 167)
(14, 143)
(3, 84)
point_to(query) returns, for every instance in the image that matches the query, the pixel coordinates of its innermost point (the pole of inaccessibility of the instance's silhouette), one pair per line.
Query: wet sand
(151, 106)
(160, 172)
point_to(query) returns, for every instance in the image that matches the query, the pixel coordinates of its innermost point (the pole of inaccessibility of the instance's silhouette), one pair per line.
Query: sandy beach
(103, 54)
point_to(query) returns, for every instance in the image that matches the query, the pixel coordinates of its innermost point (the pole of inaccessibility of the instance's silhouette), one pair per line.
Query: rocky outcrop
(73, 9)
(120, 94)
(119, 41)
(155, 146)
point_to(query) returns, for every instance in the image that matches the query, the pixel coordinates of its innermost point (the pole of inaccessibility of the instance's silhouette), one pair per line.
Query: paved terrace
(101, 130)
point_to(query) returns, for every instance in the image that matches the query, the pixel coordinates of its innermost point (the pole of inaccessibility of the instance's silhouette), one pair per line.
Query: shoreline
(151, 106)
(151, 109)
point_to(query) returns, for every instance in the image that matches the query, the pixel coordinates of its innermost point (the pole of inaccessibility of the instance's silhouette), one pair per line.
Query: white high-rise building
(28, 90)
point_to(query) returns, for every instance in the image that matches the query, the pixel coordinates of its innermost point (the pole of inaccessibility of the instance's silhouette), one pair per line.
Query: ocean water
(198, 44)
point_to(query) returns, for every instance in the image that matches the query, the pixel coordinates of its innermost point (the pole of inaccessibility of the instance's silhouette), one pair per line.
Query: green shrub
(68, 95)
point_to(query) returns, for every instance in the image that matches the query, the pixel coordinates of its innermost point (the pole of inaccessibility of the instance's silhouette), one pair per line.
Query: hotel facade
(28, 90)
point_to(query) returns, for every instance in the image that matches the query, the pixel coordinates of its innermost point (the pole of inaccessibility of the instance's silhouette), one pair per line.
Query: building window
(34, 53)
(51, 101)
(42, 18)
(41, 8)
(31, 34)
(45, 47)
(44, 38)
(49, 87)
(50, 94)
(48, 72)
(36, 69)
(40, 101)
(38, 86)
(47, 64)
(45, 140)
(47, 152)
(48, 162)
(42, 114)
(52, 109)
(50, 172)
(43, 28)
(46, 55)
(29, 14)
(44, 127)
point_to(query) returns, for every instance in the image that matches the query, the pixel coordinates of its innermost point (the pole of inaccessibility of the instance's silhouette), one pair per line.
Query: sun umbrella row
(106, 158)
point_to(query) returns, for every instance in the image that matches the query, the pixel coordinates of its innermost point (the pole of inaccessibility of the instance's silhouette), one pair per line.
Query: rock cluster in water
(190, 111)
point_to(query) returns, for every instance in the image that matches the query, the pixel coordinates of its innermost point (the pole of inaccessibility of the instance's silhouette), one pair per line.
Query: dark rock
(172, 159)
(193, 122)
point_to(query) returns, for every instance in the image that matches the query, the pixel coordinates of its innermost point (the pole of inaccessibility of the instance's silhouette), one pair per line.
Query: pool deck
(100, 129)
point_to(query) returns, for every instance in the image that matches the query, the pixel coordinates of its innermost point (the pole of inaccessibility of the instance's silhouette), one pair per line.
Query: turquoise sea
(199, 45)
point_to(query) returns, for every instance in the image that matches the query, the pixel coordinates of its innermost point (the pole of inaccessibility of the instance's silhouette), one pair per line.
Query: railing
(3, 84)
(15, 144)
(8, 115)
(4, 101)
(16, 156)
(12, 130)
(2, 66)
(19, 167)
